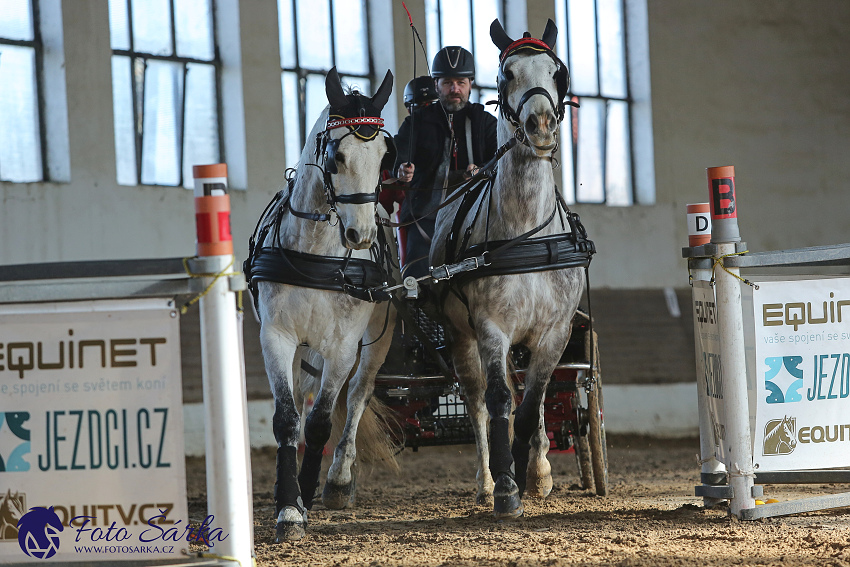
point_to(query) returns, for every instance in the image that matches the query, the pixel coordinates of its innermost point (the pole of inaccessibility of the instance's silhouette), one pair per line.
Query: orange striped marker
(212, 210)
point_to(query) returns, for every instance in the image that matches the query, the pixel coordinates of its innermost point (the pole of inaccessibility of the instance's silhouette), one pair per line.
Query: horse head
(532, 84)
(354, 153)
(787, 432)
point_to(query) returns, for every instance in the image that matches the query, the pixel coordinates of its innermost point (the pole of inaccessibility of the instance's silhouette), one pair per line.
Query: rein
(485, 172)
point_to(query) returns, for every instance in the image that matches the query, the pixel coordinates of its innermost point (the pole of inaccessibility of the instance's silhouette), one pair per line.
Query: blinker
(331, 147)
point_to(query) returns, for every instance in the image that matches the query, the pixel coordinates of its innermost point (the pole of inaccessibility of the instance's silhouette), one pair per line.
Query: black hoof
(338, 496)
(291, 525)
(506, 501)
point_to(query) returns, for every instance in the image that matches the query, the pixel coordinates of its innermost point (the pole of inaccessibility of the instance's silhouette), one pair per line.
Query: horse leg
(290, 512)
(467, 365)
(493, 348)
(340, 486)
(539, 471)
(317, 428)
(531, 444)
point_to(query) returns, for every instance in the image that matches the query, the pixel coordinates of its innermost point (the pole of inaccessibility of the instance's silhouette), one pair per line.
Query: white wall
(759, 86)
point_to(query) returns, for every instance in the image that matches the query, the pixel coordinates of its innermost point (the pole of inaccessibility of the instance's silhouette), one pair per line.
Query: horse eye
(509, 75)
(339, 157)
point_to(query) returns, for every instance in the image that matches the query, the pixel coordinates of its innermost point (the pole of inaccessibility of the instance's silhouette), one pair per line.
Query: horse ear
(500, 38)
(550, 34)
(333, 88)
(383, 93)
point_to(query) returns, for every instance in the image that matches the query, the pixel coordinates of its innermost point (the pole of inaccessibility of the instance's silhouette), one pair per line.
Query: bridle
(562, 81)
(326, 148)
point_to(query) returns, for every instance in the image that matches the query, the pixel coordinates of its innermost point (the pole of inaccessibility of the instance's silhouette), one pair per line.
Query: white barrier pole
(228, 462)
(731, 326)
(712, 471)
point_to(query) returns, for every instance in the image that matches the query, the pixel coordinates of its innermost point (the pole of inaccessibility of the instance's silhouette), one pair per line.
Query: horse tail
(375, 432)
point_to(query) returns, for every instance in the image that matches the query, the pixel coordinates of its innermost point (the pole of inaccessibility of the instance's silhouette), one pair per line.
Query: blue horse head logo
(38, 533)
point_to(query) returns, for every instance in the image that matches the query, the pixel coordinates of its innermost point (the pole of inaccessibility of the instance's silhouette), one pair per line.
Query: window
(22, 153)
(467, 23)
(166, 89)
(316, 35)
(606, 145)
(601, 159)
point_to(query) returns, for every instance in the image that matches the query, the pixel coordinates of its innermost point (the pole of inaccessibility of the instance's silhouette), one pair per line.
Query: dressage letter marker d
(724, 212)
(699, 224)
(212, 210)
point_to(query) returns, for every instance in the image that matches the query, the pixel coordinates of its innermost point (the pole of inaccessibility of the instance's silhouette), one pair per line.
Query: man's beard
(453, 105)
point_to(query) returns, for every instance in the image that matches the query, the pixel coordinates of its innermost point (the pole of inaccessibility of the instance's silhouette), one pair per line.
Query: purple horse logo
(38, 533)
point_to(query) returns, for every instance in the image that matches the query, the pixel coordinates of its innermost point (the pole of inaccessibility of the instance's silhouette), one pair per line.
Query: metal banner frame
(227, 445)
(722, 263)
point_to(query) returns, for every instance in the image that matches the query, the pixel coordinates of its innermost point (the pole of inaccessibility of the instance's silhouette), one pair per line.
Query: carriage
(506, 287)
(430, 411)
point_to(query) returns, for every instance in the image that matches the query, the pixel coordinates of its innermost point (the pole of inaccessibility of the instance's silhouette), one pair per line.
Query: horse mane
(308, 152)
(777, 429)
(774, 431)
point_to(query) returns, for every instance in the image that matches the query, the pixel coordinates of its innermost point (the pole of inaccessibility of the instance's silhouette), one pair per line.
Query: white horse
(318, 238)
(490, 314)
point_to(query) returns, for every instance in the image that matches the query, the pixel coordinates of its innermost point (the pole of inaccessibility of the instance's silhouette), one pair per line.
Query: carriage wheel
(582, 449)
(596, 430)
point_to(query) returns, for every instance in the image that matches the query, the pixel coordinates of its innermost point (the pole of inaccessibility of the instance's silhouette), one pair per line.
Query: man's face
(453, 92)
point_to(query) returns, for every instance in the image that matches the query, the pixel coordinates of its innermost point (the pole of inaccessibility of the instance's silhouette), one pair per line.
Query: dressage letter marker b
(724, 211)
(212, 210)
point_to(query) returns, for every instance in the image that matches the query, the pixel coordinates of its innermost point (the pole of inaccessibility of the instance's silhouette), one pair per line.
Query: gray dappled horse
(339, 170)
(533, 309)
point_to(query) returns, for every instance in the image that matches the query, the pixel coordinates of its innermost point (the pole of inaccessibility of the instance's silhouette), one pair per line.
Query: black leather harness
(358, 277)
(520, 255)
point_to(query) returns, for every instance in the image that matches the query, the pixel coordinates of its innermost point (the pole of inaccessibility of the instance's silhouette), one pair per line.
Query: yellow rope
(215, 277)
(718, 261)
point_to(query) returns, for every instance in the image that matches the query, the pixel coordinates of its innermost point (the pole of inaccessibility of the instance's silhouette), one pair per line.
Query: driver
(441, 145)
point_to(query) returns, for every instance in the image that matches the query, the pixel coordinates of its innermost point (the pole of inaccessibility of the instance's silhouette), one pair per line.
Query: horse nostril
(531, 124)
(352, 235)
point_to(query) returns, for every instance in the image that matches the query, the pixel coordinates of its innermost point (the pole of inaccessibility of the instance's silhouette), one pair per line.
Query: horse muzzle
(355, 239)
(541, 131)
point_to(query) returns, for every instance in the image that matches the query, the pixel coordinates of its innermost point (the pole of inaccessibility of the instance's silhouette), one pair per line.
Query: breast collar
(360, 278)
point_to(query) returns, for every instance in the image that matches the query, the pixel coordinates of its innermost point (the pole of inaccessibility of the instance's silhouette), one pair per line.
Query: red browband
(358, 121)
(523, 41)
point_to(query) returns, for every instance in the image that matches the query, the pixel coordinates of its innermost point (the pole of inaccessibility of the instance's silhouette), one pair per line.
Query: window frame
(302, 72)
(37, 45)
(139, 106)
(577, 97)
(478, 87)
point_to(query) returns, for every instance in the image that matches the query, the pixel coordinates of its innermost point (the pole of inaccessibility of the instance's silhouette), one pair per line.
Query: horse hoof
(338, 496)
(540, 487)
(484, 499)
(291, 525)
(506, 501)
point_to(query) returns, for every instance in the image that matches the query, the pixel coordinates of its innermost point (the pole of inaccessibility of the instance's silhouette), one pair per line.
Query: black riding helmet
(453, 61)
(420, 92)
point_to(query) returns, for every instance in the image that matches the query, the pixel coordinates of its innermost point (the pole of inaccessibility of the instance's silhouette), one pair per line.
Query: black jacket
(433, 157)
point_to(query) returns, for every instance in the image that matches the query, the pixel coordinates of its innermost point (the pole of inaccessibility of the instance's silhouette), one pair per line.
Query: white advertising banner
(802, 355)
(91, 432)
(709, 369)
